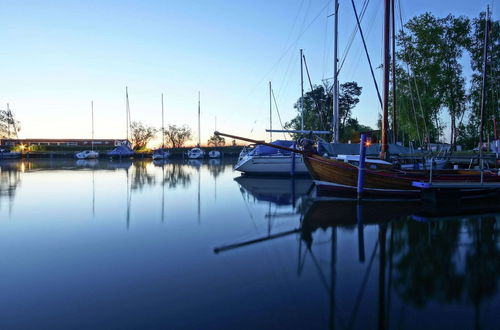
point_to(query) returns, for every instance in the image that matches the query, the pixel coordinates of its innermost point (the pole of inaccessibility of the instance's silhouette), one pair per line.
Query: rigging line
(413, 74)
(352, 36)
(318, 105)
(294, 42)
(366, 51)
(277, 111)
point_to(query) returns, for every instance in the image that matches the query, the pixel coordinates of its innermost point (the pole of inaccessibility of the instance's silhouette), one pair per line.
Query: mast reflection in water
(129, 244)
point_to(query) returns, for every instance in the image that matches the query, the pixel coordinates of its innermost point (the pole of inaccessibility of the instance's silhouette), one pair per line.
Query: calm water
(128, 245)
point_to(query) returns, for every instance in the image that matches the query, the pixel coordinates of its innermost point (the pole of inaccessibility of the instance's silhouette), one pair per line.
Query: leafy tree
(429, 75)
(9, 126)
(177, 136)
(216, 141)
(469, 136)
(318, 110)
(141, 134)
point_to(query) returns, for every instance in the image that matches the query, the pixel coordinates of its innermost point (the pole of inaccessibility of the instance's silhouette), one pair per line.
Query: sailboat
(124, 150)
(197, 152)
(266, 160)
(89, 154)
(214, 153)
(334, 175)
(161, 153)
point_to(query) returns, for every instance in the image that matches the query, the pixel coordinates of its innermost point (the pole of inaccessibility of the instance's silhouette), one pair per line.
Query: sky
(57, 56)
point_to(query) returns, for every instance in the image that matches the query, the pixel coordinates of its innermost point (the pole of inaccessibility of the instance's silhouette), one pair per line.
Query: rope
(278, 112)
(366, 51)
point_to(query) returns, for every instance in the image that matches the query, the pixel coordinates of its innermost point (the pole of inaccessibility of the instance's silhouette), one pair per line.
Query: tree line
(434, 91)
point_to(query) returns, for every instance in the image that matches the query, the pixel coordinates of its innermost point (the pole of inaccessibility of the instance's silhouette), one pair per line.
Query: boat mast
(302, 91)
(199, 129)
(385, 122)
(92, 111)
(394, 117)
(483, 84)
(126, 111)
(335, 94)
(270, 114)
(162, 125)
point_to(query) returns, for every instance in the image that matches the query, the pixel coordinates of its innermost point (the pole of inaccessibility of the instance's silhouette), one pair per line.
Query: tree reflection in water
(446, 260)
(10, 178)
(176, 174)
(140, 175)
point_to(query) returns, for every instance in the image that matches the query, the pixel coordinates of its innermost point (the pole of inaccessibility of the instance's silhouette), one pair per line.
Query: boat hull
(333, 176)
(271, 165)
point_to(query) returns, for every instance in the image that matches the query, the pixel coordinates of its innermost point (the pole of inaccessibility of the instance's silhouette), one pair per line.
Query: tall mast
(385, 122)
(270, 114)
(92, 116)
(302, 91)
(483, 84)
(162, 125)
(199, 129)
(335, 94)
(126, 110)
(394, 117)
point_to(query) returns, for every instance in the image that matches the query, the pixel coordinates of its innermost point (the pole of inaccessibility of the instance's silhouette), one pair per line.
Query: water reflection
(10, 179)
(122, 238)
(426, 255)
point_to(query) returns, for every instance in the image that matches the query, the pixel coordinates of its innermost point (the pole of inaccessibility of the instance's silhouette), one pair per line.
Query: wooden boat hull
(334, 176)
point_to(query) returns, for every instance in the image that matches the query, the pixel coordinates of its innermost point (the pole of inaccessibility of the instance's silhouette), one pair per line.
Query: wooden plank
(456, 185)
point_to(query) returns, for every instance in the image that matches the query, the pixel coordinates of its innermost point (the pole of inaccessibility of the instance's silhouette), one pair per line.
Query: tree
(318, 110)
(470, 136)
(216, 141)
(430, 75)
(177, 136)
(141, 134)
(9, 126)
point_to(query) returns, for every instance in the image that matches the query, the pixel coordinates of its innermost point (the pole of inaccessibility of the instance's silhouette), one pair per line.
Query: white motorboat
(268, 160)
(87, 154)
(161, 153)
(214, 154)
(195, 153)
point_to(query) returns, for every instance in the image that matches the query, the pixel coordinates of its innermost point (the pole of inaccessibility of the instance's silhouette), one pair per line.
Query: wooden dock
(437, 192)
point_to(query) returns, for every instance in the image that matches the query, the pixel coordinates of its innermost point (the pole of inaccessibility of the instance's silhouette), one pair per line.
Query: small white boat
(161, 153)
(87, 154)
(268, 160)
(7, 154)
(214, 154)
(196, 153)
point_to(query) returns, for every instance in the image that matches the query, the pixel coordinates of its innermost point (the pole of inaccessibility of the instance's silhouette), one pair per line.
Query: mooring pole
(361, 166)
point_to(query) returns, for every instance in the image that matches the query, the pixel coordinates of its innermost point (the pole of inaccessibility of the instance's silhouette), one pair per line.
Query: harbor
(286, 164)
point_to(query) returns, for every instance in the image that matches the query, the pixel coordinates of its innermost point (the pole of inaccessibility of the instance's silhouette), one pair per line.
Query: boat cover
(121, 151)
(266, 150)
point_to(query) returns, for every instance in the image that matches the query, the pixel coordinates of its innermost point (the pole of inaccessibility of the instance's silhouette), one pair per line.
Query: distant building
(65, 142)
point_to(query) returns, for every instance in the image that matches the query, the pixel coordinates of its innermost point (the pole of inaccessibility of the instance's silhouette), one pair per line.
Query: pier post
(361, 166)
(292, 172)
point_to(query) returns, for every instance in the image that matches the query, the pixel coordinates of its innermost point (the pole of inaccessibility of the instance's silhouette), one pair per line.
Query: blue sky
(57, 56)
